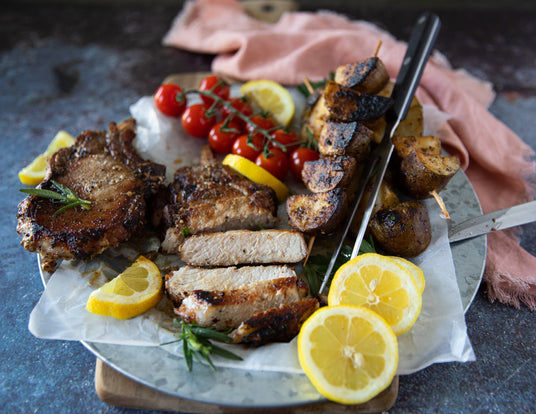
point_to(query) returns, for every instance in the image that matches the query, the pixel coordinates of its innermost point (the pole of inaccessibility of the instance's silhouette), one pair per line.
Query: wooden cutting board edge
(116, 389)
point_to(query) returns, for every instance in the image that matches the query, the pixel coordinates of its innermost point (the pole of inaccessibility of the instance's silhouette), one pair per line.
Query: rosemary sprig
(63, 195)
(196, 344)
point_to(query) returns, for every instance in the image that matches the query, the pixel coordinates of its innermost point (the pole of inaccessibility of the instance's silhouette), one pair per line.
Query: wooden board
(116, 389)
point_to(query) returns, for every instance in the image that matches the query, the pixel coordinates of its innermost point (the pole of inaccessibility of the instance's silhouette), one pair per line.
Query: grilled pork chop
(279, 324)
(101, 167)
(225, 297)
(235, 247)
(182, 282)
(212, 198)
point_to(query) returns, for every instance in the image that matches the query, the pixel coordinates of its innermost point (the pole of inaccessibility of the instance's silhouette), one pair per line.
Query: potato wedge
(387, 198)
(369, 75)
(405, 144)
(317, 213)
(347, 105)
(422, 173)
(314, 116)
(328, 173)
(403, 230)
(345, 138)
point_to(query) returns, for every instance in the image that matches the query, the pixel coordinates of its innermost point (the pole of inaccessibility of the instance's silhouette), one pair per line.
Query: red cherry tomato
(288, 139)
(261, 121)
(196, 121)
(248, 147)
(223, 135)
(243, 106)
(170, 100)
(276, 163)
(215, 84)
(299, 157)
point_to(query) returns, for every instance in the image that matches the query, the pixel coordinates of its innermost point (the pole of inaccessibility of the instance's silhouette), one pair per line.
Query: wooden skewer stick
(308, 85)
(441, 204)
(377, 48)
(309, 248)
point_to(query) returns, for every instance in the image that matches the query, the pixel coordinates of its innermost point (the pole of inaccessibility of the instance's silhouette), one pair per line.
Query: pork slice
(227, 309)
(244, 247)
(182, 282)
(212, 197)
(279, 324)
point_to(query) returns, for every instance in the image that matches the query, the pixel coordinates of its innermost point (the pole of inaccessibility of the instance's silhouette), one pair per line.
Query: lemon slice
(256, 174)
(414, 270)
(34, 172)
(271, 97)
(349, 353)
(133, 292)
(380, 284)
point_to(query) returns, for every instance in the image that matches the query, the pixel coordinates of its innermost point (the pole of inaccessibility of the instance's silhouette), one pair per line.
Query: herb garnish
(196, 343)
(317, 264)
(63, 195)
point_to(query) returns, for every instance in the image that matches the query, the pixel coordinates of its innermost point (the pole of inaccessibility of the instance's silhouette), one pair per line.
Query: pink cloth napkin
(303, 44)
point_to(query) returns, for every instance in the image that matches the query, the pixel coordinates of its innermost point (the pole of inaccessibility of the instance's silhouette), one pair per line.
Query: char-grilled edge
(244, 247)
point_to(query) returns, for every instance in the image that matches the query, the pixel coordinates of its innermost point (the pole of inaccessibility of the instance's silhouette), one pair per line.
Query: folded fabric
(498, 163)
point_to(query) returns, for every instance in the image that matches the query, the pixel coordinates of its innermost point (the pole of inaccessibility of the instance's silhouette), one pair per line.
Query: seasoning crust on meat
(104, 168)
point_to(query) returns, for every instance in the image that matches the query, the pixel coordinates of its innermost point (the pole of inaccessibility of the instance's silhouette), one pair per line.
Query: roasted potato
(369, 75)
(328, 173)
(403, 230)
(347, 105)
(411, 125)
(405, 144)
(317, 213)
(315, 115)
(422, 173)
(345, 138)
(387, 198)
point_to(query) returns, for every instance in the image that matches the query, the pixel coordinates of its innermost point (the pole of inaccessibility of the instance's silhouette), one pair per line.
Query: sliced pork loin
(279, 324)
(236, 247)
(212, 198)
(225, 297)
(182, 282)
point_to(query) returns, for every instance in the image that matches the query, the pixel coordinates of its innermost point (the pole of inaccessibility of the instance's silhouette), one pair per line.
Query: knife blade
(420, 45)
(494, 221)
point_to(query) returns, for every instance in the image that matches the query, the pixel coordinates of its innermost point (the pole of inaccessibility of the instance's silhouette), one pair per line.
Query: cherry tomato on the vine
(223, 135)
(196, 121)
(299, 157)
(261, 121)
(290, 140)
(242, 146)
(170, 100)
(215, 84)
(242, 105)
(275, 162)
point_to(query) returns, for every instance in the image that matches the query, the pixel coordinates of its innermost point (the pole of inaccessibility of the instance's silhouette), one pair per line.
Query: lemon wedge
(256, 174)
(349, 353)
(131, 293)
(272, 97)
(379, 283)
(34, 172)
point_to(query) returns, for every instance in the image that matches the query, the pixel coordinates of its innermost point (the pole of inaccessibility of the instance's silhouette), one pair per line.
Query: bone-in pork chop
(104, 168)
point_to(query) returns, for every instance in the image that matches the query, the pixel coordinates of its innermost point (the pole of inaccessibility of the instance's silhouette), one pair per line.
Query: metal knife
(497, 220)
(420, 46)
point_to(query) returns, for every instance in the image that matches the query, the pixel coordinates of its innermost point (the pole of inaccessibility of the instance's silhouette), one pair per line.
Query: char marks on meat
(279, 324)
(219, 301)
(104, 168)
(211, 198)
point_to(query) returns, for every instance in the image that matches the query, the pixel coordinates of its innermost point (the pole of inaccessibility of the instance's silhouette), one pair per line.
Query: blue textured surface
(79, 67)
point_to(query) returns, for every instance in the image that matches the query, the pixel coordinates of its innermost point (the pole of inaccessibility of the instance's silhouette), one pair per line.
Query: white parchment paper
(439, 335)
